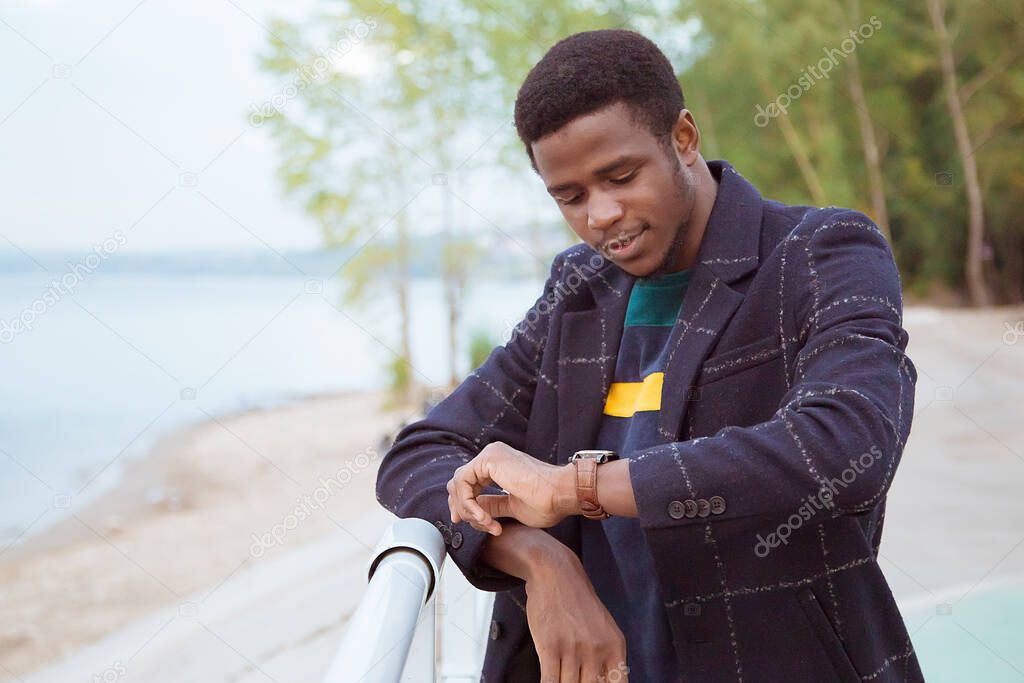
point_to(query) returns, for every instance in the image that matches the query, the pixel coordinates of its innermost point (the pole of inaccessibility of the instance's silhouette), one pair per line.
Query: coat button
(703, 507)
(691, 508)
(676, 510)
(717, 505)
(446, 533)
(457, 540)
(495, 631)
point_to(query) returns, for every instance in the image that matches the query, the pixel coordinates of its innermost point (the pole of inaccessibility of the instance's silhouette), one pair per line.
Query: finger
(494, 528)
(485, 520)
(453, 506)
(549, 667)
(476, 472)
(570, 672)
(593, 671)
(617, 671)
(476, 526)
(456, 518)
(469, 510)
(465, 490)
(452, 511)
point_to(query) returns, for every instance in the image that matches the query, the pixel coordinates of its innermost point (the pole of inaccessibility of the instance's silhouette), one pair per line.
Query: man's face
(620, 190)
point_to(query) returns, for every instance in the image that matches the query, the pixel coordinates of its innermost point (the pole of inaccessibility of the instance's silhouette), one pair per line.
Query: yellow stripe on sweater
(626, 398)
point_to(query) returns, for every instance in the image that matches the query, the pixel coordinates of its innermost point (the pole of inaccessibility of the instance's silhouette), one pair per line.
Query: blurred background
(243, 241)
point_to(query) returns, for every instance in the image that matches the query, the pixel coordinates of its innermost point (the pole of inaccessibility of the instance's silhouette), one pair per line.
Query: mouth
(620, 247)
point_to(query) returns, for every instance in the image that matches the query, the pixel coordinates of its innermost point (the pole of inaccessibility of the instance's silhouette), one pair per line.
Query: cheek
(646, 204)
(576, 218)
(670, 205)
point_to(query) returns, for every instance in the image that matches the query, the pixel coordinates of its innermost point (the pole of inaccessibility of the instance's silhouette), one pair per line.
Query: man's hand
(536, 493)
(576, 638)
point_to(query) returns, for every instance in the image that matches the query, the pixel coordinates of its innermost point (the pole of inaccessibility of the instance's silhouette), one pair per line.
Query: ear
(686, 138)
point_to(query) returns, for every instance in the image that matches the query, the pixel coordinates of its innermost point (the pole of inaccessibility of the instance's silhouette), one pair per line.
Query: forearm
(829, 448)
(525, 552)
(571, 628)
(615, 489)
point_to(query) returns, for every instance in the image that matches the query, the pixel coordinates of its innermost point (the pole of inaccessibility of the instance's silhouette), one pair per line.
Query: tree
(361, 144)
(871, 132)
(869, 140)
(976, 286)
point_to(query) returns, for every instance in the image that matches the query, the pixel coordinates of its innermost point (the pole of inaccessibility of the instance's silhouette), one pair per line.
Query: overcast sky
(105, 106)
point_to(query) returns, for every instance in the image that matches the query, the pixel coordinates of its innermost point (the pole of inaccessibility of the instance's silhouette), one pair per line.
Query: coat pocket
(736, 360)
(830, 642)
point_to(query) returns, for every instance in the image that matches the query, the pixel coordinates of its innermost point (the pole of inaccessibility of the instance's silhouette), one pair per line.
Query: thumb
(496, 505)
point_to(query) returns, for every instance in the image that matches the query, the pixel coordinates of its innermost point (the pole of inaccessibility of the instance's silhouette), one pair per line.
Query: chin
(640, 268)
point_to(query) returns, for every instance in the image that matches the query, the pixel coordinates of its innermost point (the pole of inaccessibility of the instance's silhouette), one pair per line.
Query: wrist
(550, 562)
(567, 502)
(527, 553)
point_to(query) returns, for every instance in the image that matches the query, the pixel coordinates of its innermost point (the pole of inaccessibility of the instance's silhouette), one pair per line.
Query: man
(743, 358)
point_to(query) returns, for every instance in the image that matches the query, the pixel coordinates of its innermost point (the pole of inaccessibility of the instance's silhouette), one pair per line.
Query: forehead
(589, 142)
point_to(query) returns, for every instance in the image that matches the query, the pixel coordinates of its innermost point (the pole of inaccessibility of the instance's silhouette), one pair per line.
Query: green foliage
(752, 51)
(353, 147)
(399, 377)
(480, 346)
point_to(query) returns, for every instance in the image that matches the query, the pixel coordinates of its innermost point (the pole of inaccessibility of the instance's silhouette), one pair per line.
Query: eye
(574, 200)
(624, 179)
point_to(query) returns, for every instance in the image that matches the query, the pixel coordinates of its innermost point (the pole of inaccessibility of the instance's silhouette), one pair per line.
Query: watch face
(599, 456)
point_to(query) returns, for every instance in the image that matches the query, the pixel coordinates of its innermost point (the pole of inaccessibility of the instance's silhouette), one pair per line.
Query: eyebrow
(604, 170)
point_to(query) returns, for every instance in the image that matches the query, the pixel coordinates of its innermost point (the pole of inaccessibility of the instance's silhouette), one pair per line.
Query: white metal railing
(391, 635)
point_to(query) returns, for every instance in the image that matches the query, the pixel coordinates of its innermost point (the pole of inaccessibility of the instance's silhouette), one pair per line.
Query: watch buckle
(600, 456)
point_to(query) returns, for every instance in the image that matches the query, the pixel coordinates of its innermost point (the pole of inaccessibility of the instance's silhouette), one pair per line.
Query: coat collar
(590, 337)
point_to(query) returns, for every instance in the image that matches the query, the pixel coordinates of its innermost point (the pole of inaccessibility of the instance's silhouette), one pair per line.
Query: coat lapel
(707, 307)
(728, 252)
(589, 344)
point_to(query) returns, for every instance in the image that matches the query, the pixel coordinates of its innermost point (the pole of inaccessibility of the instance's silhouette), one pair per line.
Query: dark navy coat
(787, 400)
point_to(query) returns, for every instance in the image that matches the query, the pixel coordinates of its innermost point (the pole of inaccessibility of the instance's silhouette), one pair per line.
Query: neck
(705, 192)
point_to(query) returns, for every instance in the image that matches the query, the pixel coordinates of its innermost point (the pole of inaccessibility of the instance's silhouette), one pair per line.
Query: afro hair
(591, 70)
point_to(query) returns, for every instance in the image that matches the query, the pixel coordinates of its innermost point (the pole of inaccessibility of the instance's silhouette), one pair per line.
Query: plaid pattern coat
(786, 404)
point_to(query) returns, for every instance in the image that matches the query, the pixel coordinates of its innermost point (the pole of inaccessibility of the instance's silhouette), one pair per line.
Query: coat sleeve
(839, 431)
(491, 404)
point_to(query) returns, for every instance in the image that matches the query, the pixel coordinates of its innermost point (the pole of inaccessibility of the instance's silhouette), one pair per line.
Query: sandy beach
(223, 483)
(208, 583)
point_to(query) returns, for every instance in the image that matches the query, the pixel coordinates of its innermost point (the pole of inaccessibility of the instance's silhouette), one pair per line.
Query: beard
(686, 191)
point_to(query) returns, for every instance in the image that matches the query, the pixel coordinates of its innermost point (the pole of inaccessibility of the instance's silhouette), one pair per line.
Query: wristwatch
(586, 463)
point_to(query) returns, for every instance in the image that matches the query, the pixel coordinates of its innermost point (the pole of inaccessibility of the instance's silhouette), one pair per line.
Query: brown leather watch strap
(586, 489)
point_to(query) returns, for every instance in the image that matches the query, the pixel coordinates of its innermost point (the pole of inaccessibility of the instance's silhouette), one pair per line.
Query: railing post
(465, 627)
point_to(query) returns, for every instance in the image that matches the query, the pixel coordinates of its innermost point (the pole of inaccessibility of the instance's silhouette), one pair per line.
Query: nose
(603, 212)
